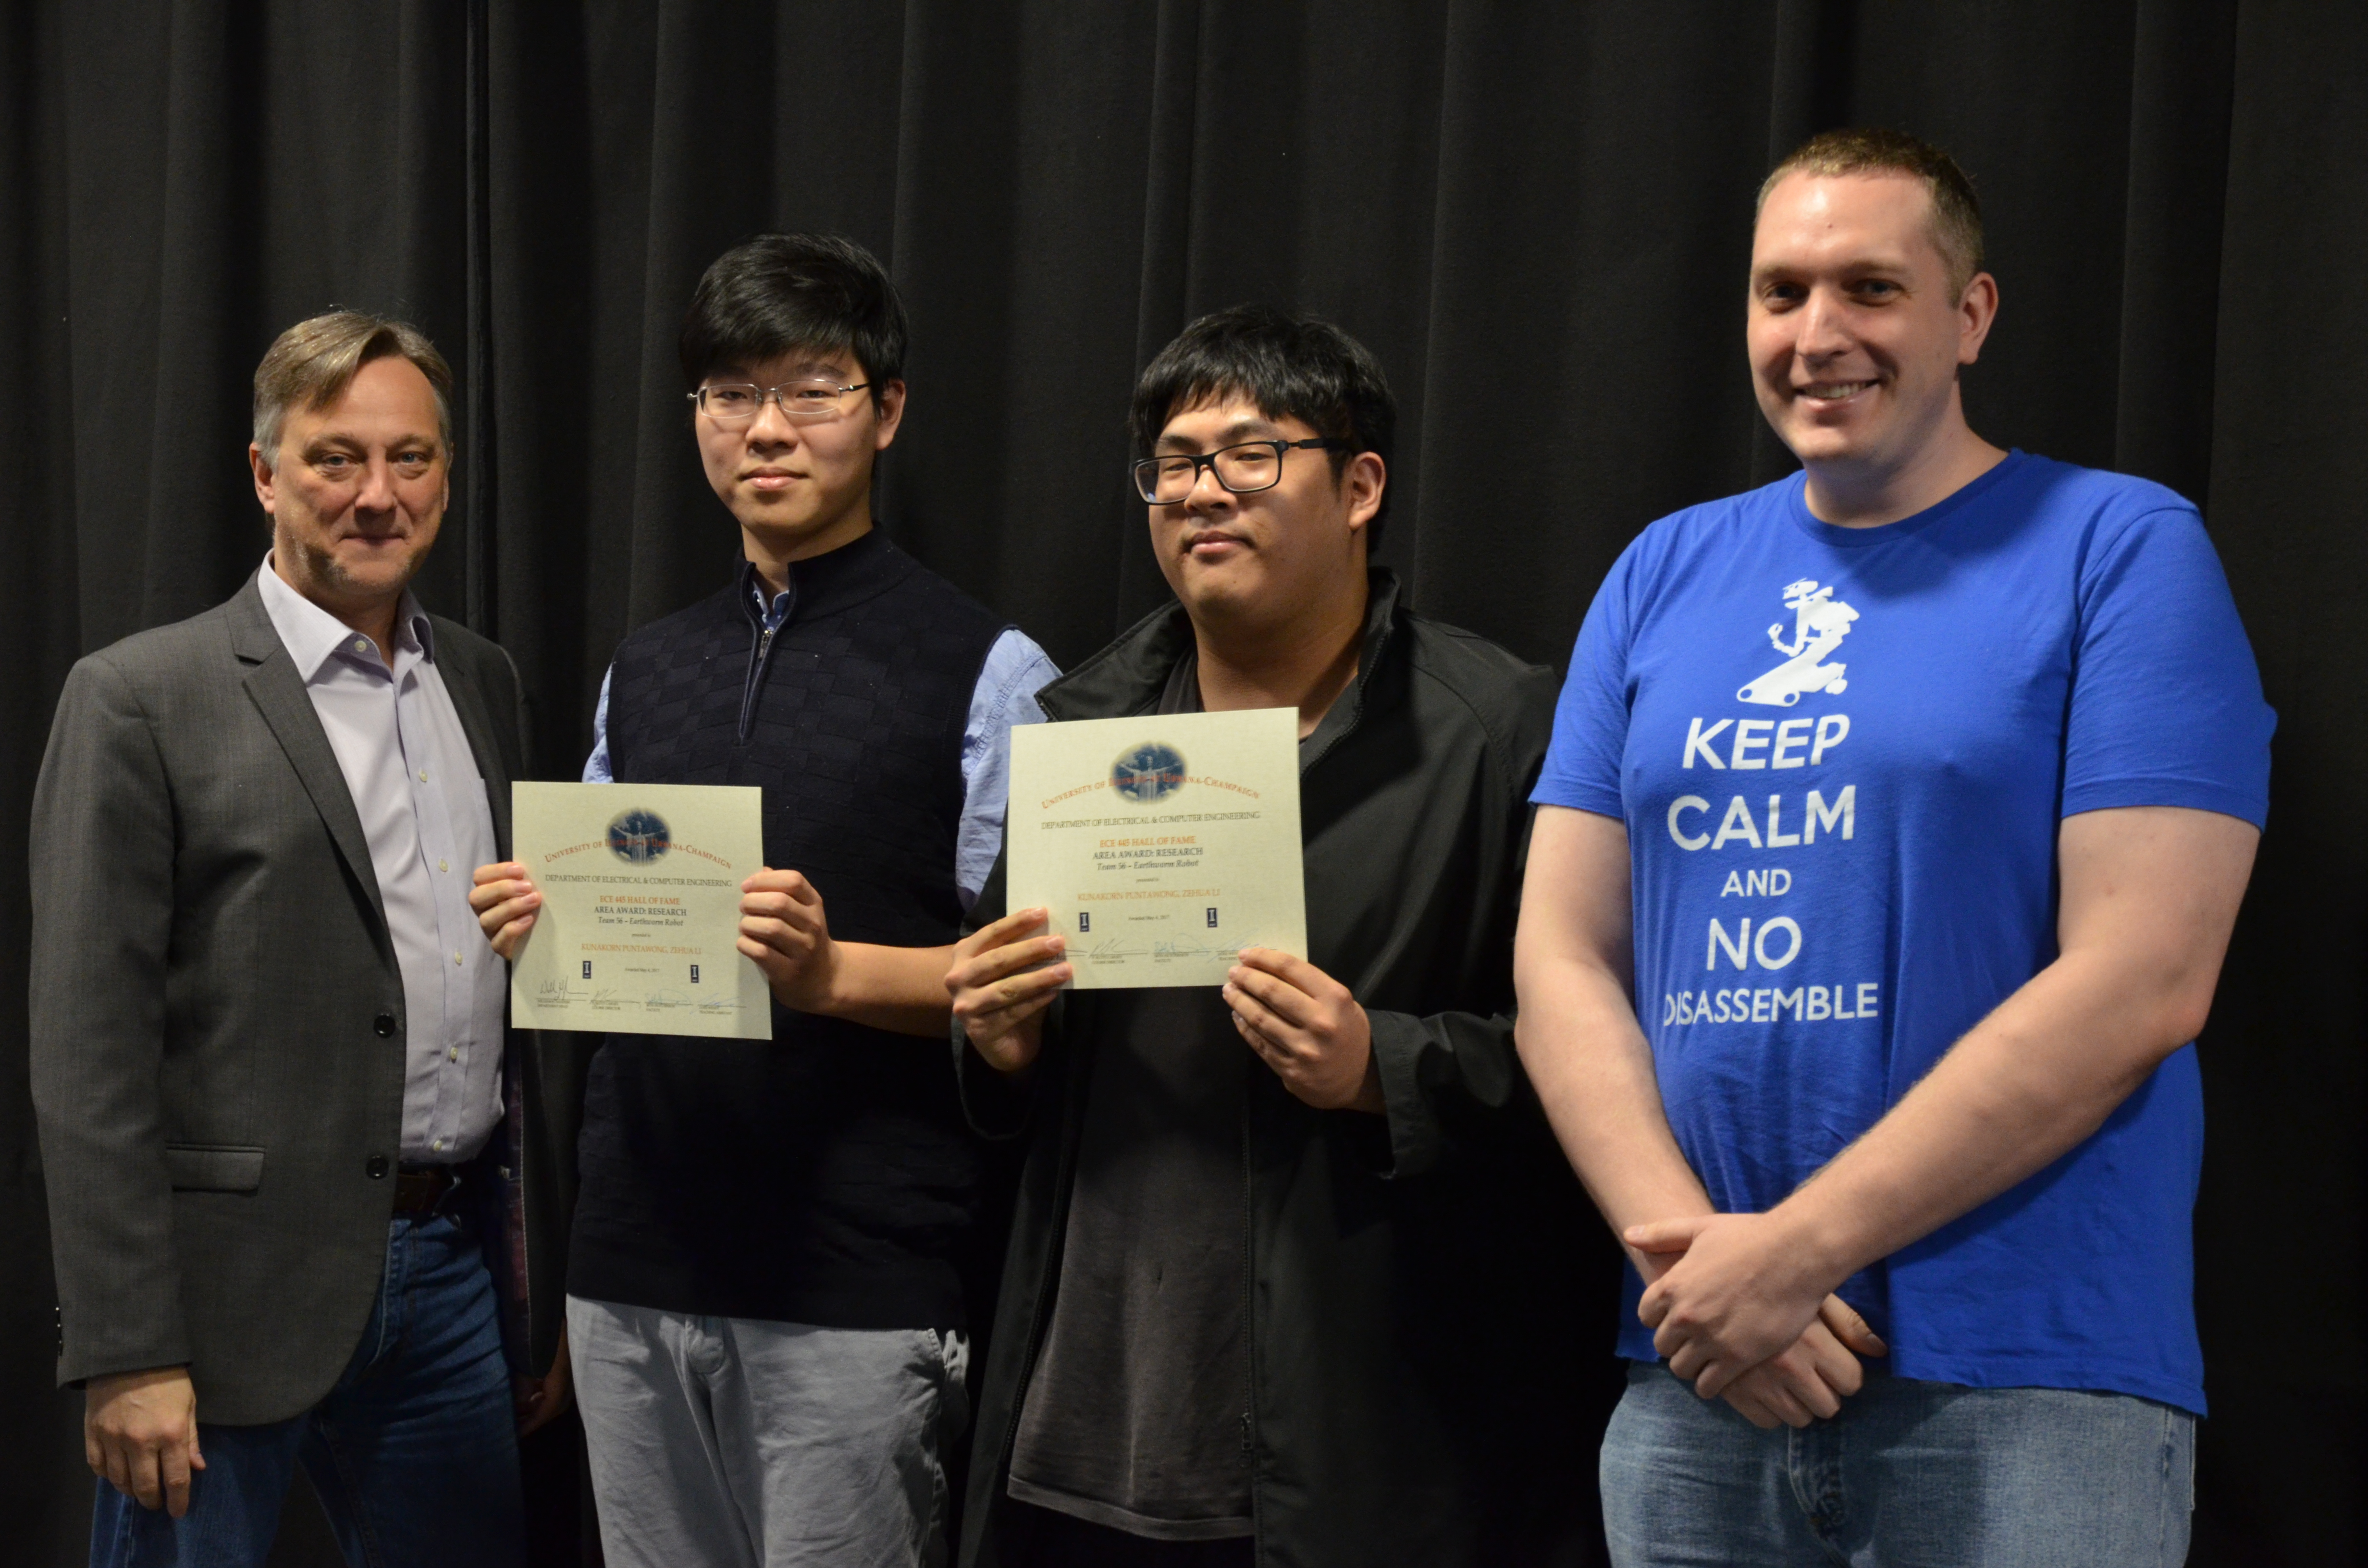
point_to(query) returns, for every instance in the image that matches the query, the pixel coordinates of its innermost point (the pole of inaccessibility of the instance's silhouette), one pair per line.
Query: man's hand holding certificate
(1163, 851)
(1161, 845)
(637, 929)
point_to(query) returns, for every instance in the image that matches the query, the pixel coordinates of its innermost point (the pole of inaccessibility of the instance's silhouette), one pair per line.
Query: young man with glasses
(1274, 1291)
(765, 1303)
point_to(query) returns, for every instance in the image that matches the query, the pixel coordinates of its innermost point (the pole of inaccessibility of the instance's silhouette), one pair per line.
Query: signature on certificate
(1174, 950)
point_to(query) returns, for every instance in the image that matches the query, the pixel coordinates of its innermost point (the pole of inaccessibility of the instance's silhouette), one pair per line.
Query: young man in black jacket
(1276, 1291)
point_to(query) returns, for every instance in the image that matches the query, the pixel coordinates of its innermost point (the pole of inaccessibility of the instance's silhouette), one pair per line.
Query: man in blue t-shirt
(1894, 823)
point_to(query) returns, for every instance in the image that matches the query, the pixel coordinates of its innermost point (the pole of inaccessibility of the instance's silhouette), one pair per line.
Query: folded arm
(1587, 1057)
(899, 989)
(2149, 896)
(1580, 1038)
(785, 929)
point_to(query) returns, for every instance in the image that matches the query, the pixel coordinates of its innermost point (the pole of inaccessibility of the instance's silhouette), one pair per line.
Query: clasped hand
(1738, 1310)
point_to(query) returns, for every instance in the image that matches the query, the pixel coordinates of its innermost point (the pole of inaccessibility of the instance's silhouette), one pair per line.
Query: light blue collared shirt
(415, 784)
(1016, 669)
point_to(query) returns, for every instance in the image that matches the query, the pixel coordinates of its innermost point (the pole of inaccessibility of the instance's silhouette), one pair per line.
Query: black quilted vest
(826, 1176)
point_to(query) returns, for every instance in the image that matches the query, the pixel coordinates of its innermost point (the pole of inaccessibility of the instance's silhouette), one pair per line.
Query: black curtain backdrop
(1538, 217)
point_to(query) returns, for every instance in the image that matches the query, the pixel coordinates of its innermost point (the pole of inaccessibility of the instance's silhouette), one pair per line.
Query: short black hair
(777, 293)
(1296, 367)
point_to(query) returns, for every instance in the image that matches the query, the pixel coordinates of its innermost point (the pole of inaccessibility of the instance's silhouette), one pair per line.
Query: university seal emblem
(1148, 773)
(639, 837)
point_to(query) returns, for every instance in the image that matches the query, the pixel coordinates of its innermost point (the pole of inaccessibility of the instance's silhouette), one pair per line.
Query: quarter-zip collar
(860, 569)
(1128, 676)
(855, 571)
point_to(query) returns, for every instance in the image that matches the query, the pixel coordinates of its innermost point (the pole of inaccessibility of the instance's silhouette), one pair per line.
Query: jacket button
(376, 1169)
(383, 1024)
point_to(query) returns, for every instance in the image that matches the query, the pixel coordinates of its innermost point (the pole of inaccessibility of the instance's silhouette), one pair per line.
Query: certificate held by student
(641, 913)
(1162, 845)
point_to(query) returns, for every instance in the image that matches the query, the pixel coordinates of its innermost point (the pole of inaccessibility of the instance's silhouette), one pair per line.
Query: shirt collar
(772, 609)
(311, 635)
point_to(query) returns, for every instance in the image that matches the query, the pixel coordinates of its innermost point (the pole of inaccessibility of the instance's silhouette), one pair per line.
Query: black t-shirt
(1134, 1418)
(1136, 1415)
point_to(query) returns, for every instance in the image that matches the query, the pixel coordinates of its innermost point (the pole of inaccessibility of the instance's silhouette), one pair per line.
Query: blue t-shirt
(1842, 755)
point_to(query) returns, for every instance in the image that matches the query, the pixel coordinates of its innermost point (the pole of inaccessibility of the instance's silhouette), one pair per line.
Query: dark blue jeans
(413, 1452)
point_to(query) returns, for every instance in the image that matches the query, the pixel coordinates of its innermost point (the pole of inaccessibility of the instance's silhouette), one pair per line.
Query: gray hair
(312, 363)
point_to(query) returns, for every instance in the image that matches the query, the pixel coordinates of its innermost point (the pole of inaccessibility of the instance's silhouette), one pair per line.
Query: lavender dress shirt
(415, 783)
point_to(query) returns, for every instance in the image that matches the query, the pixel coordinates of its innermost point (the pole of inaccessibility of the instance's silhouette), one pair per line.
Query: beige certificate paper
(1161, 845)
(640, 909)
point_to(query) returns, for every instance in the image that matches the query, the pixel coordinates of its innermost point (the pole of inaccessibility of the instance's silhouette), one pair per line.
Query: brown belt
(419, 1189)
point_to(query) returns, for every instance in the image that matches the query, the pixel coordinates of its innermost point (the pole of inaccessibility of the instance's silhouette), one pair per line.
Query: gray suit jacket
(218, 1022)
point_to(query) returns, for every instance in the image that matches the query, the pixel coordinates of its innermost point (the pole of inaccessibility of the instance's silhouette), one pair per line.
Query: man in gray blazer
(299, 1186)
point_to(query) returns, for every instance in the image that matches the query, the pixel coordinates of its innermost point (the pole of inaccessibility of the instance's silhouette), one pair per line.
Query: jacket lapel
(493, 765)
(506, 1195)
(277, 689)
(1127, 675)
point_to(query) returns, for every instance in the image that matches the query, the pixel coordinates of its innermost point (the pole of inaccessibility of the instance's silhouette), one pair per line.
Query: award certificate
(640, 924)
(1160, 845)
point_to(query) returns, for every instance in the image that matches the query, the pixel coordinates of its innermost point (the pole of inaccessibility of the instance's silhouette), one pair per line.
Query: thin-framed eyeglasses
(1242, 467)
(807, 401)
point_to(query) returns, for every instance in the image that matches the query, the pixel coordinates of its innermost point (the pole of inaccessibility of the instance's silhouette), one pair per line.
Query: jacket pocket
(213, 1167)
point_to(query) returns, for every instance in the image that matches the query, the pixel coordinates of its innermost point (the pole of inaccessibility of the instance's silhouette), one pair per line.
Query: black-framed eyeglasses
(807, 401)
(1242, 468)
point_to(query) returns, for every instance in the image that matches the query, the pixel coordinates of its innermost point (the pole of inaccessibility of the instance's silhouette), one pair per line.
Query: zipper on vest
(757, 656)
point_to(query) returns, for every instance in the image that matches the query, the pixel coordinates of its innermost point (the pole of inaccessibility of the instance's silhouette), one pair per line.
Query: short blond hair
(313, 363)
(1957, 212)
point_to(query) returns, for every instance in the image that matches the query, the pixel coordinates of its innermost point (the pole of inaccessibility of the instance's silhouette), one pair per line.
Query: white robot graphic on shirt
(1820, 621)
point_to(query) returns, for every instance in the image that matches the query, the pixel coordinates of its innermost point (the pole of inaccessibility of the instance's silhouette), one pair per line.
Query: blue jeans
(413, 1452)
(1911, 1474)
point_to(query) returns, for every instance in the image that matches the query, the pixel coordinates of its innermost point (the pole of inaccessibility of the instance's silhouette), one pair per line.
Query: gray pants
(741, 1443)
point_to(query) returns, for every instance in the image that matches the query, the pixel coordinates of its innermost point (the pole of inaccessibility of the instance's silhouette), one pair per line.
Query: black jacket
(1420, 1349)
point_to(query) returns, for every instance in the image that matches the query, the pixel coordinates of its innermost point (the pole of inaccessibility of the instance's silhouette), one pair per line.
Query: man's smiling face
(1254, 557)
(357, 490)
(1854, 333)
